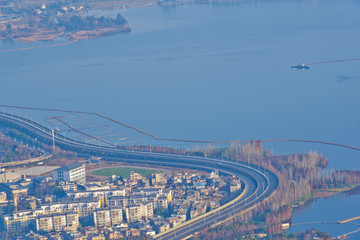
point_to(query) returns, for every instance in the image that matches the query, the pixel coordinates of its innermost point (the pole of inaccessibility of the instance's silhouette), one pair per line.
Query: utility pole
(53, 139)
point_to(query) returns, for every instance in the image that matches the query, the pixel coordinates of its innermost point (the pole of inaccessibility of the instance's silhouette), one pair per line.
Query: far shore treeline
(28, 23)
(75, 23)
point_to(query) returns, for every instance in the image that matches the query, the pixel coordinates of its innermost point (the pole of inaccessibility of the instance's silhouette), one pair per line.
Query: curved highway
(260, 184)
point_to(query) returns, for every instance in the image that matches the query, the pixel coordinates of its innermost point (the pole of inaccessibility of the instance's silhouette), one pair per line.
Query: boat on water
(300, 66)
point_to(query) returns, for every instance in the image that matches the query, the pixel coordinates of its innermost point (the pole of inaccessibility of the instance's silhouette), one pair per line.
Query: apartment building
(116, 215)
(96, 193)
(146, 209)
(118, 201)
(107, 217)
(57, 222)
(85, 207)
(147, 191)
(133, 213)
(162, 202)
(18, 221)
(45, 223)
(102, 218)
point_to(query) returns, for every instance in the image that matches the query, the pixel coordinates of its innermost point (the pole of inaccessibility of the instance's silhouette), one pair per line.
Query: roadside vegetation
(12, 151)
(300, 176)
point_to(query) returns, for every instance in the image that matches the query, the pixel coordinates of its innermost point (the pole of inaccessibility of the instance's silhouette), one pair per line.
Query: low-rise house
(132, 232)
(134, 176)
(14, 189)
(68, 186)
(113, 235)
(161, 226)
(176, 220)
(198, 210)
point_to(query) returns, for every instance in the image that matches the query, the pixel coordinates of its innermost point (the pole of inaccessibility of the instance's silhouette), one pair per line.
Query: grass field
(123, 171)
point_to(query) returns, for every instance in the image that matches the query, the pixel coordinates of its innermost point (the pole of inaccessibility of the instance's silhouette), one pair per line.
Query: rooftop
(69, 167)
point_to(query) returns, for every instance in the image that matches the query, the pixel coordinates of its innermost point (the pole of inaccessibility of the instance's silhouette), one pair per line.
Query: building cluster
(69, 207)
(58, 9)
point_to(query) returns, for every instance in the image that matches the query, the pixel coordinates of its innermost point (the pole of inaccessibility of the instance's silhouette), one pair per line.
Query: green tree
(9, 28)
(120, 20)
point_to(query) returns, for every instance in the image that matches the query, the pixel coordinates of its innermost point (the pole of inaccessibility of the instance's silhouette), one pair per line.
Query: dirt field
(36, 171)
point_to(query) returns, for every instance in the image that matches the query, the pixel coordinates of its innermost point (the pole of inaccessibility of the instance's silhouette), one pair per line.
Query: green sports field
(123, 171)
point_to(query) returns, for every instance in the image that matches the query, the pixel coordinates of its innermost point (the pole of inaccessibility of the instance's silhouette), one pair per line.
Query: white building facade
(72, 172)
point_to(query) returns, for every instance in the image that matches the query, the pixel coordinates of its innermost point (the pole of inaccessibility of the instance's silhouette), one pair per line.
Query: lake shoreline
(50, 36)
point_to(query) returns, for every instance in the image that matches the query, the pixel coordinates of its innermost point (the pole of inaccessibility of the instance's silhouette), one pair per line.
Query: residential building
(9, 177)
(3, 198)
(160, 177)
(146, 209)
(57, 222)
(72, 172)
(14, 189)
(44, 223)
(132, 232)
(118, 201)
(72, 221)
(116, 216)
(162, 202)
(133, 213)
(107, 217)
(102, 218)
(18, 221)
(68, 186)
(134, 176)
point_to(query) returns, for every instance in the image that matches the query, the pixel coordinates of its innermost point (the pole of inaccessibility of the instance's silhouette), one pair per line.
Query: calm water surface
(217, 72)
(329, 210)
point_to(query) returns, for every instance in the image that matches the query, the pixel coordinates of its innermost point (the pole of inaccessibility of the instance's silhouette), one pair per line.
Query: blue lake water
(214, 72)
(329, 211)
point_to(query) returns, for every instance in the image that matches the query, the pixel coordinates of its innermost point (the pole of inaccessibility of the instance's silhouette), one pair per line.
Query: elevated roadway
(260, 184)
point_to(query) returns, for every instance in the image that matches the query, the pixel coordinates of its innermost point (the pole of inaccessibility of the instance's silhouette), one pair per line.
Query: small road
(260, 184)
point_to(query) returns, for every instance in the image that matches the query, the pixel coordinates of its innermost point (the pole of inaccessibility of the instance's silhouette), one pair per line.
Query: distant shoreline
(22, 32)
(72, 36)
